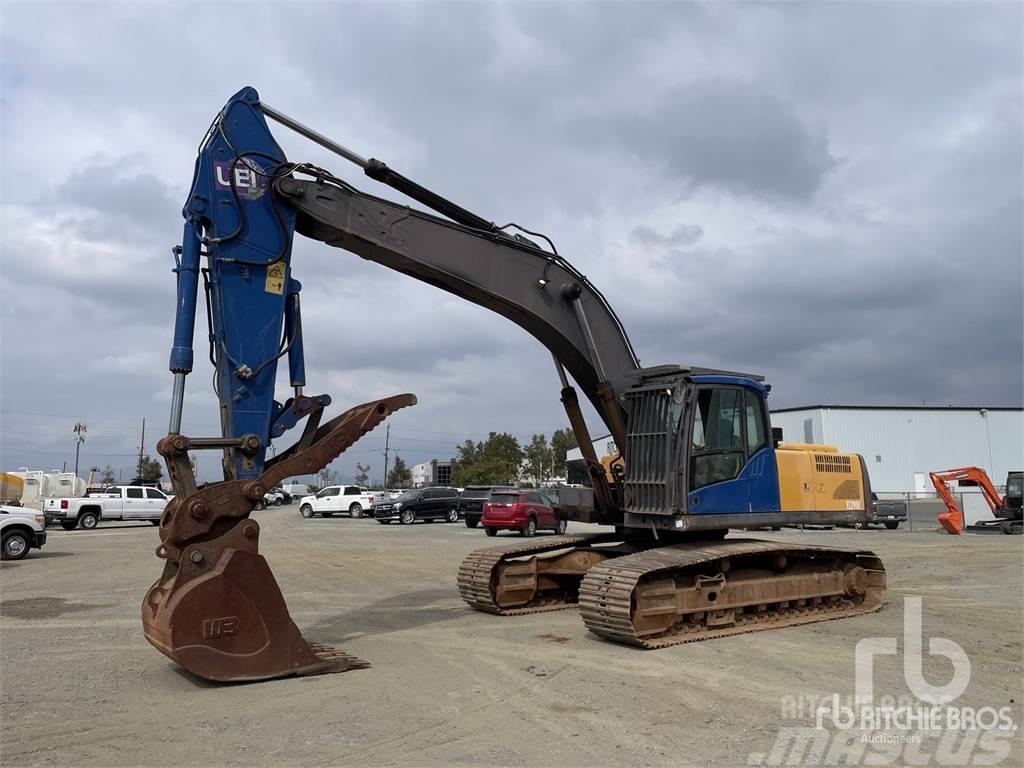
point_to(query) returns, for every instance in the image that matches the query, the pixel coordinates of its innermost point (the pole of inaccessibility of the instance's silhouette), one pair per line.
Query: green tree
(497, 460)
(562, 441)
(400, 475)
(148, 469)
(538, 456)
(468, 453)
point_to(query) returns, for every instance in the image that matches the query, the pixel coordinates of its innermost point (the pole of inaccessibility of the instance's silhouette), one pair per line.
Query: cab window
(756, 436)
(134, 493)
(328, 492)
(717, 451)
(153, 493)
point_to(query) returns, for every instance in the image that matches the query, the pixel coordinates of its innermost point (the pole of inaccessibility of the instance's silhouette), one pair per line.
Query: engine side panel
(820, 479)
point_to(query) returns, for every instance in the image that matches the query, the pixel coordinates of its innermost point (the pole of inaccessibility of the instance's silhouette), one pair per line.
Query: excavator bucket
(217, 610)
(227, 620)
(952, 521)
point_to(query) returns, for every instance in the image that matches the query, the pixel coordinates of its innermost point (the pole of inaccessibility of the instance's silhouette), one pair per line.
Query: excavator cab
(700, 456)
(1014, 499)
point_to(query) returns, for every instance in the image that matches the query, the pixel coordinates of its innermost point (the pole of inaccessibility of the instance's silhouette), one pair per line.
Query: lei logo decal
(250, 179)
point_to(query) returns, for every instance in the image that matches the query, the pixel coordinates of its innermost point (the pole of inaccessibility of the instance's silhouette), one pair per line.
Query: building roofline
(899, 408)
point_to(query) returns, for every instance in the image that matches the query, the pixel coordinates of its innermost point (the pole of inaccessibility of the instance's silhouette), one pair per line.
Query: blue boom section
(247, 236)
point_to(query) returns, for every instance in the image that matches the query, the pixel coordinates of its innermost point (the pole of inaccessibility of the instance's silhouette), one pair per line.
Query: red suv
(523, 511)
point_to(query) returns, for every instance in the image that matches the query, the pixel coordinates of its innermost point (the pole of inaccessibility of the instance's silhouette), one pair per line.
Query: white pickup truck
(117, 502)
(21, 529)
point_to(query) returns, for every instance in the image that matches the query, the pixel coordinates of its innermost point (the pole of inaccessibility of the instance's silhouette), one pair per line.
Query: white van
(296, 490)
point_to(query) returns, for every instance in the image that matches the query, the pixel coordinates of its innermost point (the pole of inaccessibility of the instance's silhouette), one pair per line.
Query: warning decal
(275, 278)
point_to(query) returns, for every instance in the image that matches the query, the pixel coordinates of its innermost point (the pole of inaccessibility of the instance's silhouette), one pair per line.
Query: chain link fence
(922, 508)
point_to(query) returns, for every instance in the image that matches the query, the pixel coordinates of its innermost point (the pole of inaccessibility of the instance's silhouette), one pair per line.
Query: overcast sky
(829, 195)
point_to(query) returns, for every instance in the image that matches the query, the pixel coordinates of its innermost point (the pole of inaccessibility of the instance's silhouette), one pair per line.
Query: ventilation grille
(828, 462)
(648, 451)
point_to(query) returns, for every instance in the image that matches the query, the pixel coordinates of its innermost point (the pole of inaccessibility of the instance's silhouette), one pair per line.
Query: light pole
(988, 440)
(79, 430)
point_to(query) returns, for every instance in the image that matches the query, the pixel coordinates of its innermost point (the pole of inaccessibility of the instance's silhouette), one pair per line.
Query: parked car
(272, 498)
(525, 511)
(286, 497)
(295, 490)
(471, 502)
(420, 504)
(889, 512)
(116, 502)
(337, 498)
(21, 529)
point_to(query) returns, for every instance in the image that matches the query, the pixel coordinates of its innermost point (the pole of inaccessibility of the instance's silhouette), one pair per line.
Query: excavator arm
(245, 203)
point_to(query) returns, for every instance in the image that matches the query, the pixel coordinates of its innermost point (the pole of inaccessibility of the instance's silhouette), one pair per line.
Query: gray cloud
(684, 234)
(728, 134)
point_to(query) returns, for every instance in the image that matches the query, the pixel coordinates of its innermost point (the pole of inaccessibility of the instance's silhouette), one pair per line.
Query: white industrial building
(902, 444)
(430, 473)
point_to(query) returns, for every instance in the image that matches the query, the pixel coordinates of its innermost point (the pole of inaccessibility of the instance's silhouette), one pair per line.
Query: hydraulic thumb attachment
(217, 610)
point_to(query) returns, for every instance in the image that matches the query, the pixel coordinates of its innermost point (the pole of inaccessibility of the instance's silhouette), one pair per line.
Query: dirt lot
(80, 686)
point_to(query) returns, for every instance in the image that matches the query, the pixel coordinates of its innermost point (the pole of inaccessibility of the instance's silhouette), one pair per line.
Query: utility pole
(142, 444)
(387, 443)
(79, 430)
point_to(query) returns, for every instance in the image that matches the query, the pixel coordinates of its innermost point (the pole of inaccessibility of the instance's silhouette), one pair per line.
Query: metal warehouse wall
(899, 444)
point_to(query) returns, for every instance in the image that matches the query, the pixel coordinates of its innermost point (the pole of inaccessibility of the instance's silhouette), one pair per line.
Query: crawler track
(684, 593)
(478, 577)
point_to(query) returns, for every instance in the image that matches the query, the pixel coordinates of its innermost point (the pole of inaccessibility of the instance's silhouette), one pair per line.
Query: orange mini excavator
(1007, 515)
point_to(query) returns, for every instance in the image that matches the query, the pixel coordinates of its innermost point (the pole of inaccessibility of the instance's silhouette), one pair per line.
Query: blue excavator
(697, 454)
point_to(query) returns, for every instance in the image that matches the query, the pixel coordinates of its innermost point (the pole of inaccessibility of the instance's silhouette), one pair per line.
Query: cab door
(544, 513)
(429, 505)
(350, 495)
(732, 464)
(449, 499)
(327, 499)
(155, 503)
(134, 504)
(761, 472)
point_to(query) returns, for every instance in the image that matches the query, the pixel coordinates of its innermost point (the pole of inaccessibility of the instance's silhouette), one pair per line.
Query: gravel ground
(448, 686)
